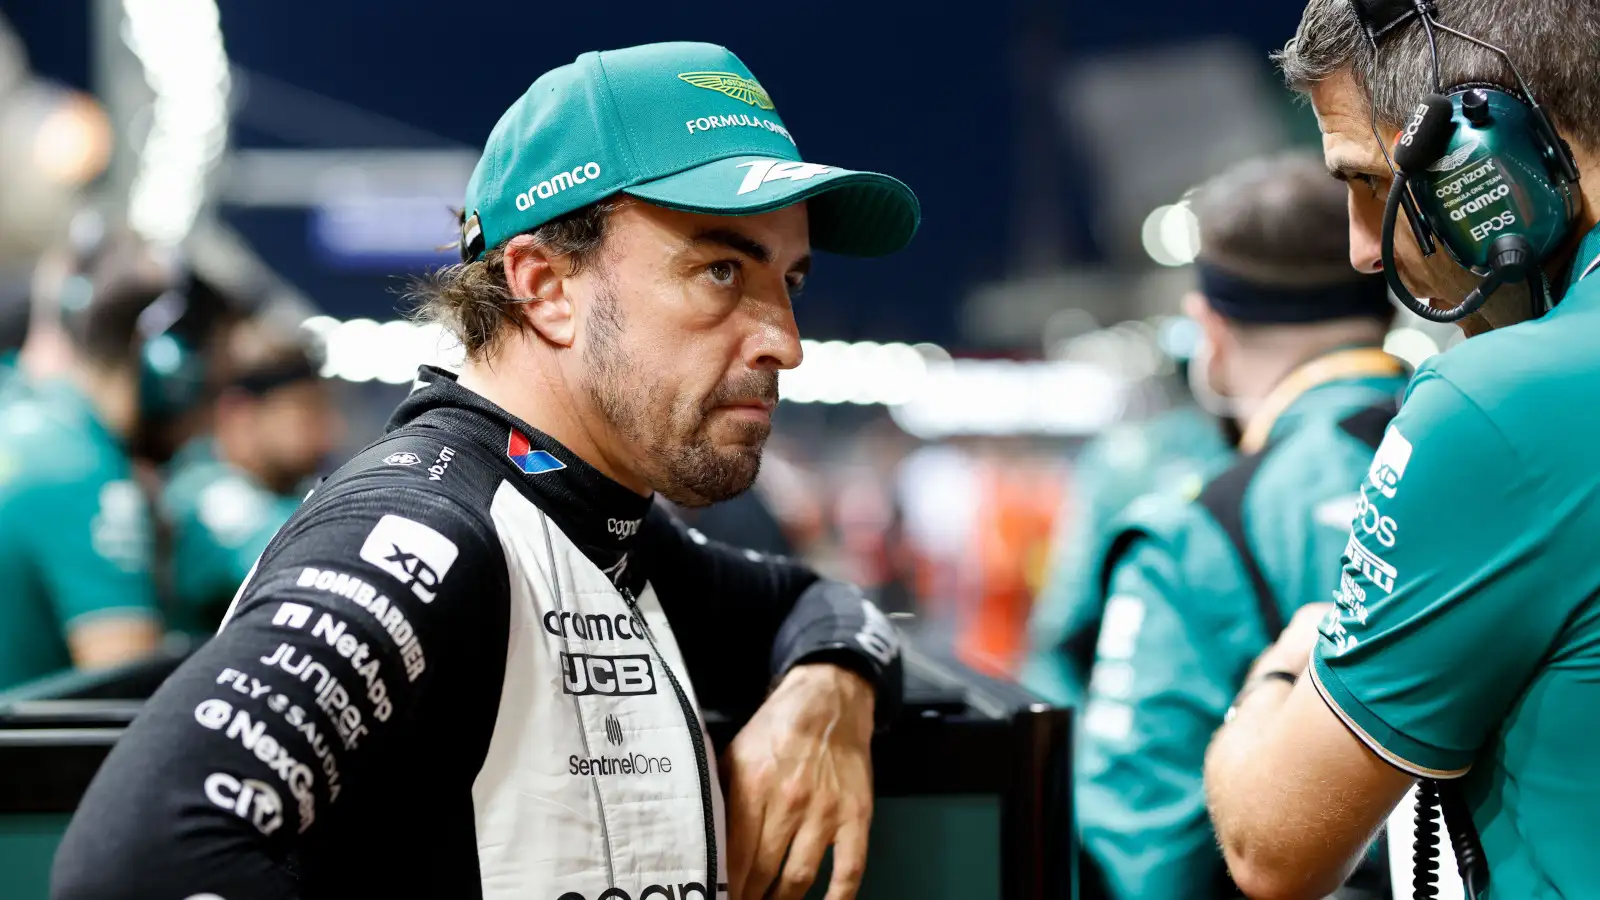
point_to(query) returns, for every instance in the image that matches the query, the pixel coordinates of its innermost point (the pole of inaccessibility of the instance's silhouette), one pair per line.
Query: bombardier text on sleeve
(477, 678)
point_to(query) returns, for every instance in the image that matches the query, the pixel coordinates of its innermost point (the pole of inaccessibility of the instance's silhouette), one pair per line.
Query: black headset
(1479, 169)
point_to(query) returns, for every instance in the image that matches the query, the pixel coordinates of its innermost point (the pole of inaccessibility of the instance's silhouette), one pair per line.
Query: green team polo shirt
(1467, 643)
(221, 521)
(1169, 453)
(1183, 623)
(75, 537)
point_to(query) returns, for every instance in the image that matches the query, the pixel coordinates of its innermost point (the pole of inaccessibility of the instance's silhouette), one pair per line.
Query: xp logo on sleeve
(1389, 465)
(735, 86)
(412, 552)
(529, 460)
(401, 459)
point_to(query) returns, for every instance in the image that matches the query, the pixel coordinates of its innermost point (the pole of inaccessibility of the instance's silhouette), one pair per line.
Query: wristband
(1272, 675)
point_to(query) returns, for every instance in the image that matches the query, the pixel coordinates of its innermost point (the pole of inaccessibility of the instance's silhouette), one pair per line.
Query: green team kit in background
(1469, 640)
(1171, 453)
(220, 519)
(1184, 619)
(75, 532)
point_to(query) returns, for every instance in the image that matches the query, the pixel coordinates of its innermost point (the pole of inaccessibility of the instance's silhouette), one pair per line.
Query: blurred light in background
(929, 394)
(72, 143)
(179, 44)
(1172, 235)
(1411, 345)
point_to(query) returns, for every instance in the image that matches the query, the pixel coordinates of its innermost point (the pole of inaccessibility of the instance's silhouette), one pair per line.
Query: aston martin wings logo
(1454, 159)
(742, 89)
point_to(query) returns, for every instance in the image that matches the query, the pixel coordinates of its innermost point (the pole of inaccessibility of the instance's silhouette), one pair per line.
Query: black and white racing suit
(469, 666)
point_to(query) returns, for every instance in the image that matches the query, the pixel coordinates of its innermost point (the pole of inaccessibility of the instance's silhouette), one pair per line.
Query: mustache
(762, 385)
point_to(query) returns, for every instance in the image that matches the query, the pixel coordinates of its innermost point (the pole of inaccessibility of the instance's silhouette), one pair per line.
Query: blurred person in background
(1171, 452)
(274, 423)
(1463, 655)
(1197, 587)
(75, 524)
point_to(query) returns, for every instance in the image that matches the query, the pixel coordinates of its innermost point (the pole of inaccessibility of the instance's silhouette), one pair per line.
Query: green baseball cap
(681, 125)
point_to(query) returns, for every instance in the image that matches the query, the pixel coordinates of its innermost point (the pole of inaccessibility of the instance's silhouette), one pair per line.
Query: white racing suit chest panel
(591, 781)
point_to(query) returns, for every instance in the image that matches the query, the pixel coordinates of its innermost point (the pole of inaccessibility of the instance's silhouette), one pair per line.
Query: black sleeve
(743, 618)
(323, 673)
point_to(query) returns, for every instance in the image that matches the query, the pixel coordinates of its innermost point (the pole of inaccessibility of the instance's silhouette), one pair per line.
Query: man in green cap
(1464, 650)
(128, 370)
(473, 663)
(1196, 587)
(273, 423)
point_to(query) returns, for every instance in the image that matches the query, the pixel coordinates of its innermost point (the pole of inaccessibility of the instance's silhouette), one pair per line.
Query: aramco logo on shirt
(614, 730)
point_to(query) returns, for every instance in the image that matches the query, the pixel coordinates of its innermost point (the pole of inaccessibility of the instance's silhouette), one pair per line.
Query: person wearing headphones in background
(274, 423)
(1198, 587)
(1464, 649)
(75, 527)
(1171, 452)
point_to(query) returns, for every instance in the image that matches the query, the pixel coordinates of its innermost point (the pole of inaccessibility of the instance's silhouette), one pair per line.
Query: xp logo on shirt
(412, 552)
(401, 459)
(529, 460)
(1389, 465)
(583, 674)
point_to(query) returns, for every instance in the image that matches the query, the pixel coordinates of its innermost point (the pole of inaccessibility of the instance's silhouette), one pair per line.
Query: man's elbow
(1264, 876)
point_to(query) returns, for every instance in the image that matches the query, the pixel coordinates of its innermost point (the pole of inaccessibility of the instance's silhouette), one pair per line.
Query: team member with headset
(1198, 586)
(274, 422)
(1465, 646)
(75, 526)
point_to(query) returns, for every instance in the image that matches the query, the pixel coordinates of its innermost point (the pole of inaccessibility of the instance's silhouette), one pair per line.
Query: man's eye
(724, 273)
(797, 286)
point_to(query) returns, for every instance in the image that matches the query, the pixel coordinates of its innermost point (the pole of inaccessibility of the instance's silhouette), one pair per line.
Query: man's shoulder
(1532, 380)
(54, 445)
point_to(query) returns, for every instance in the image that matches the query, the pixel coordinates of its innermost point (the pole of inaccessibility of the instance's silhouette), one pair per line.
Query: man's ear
(537, 280)
(1213, 326)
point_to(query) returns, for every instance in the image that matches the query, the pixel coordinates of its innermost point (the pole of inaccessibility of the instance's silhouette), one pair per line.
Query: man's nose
(1366, 238)
(776, 341)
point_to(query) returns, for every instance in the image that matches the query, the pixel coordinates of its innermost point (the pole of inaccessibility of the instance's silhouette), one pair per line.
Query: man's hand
(1291, 652)
(799, 779)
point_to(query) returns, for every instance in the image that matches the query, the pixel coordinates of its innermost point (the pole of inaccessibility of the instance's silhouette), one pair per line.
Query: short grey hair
(1278, 220)
(1552, 42)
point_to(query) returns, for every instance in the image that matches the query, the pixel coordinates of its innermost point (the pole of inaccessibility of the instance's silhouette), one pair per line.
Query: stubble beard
(675, 451)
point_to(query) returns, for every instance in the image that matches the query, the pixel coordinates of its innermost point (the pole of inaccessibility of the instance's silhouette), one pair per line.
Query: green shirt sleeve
(1155, 697)
(1439, 626)
(90, 544)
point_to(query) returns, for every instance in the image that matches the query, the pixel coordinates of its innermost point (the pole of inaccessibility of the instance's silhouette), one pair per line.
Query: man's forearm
(1237, 810)
(1258, 804)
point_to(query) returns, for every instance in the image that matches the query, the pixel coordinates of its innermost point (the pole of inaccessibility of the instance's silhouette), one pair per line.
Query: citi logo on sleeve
(529, 460)
(412, 552)
(254, 801)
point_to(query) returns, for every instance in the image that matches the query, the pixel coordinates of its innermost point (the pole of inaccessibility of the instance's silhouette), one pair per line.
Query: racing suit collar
(602, 517)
